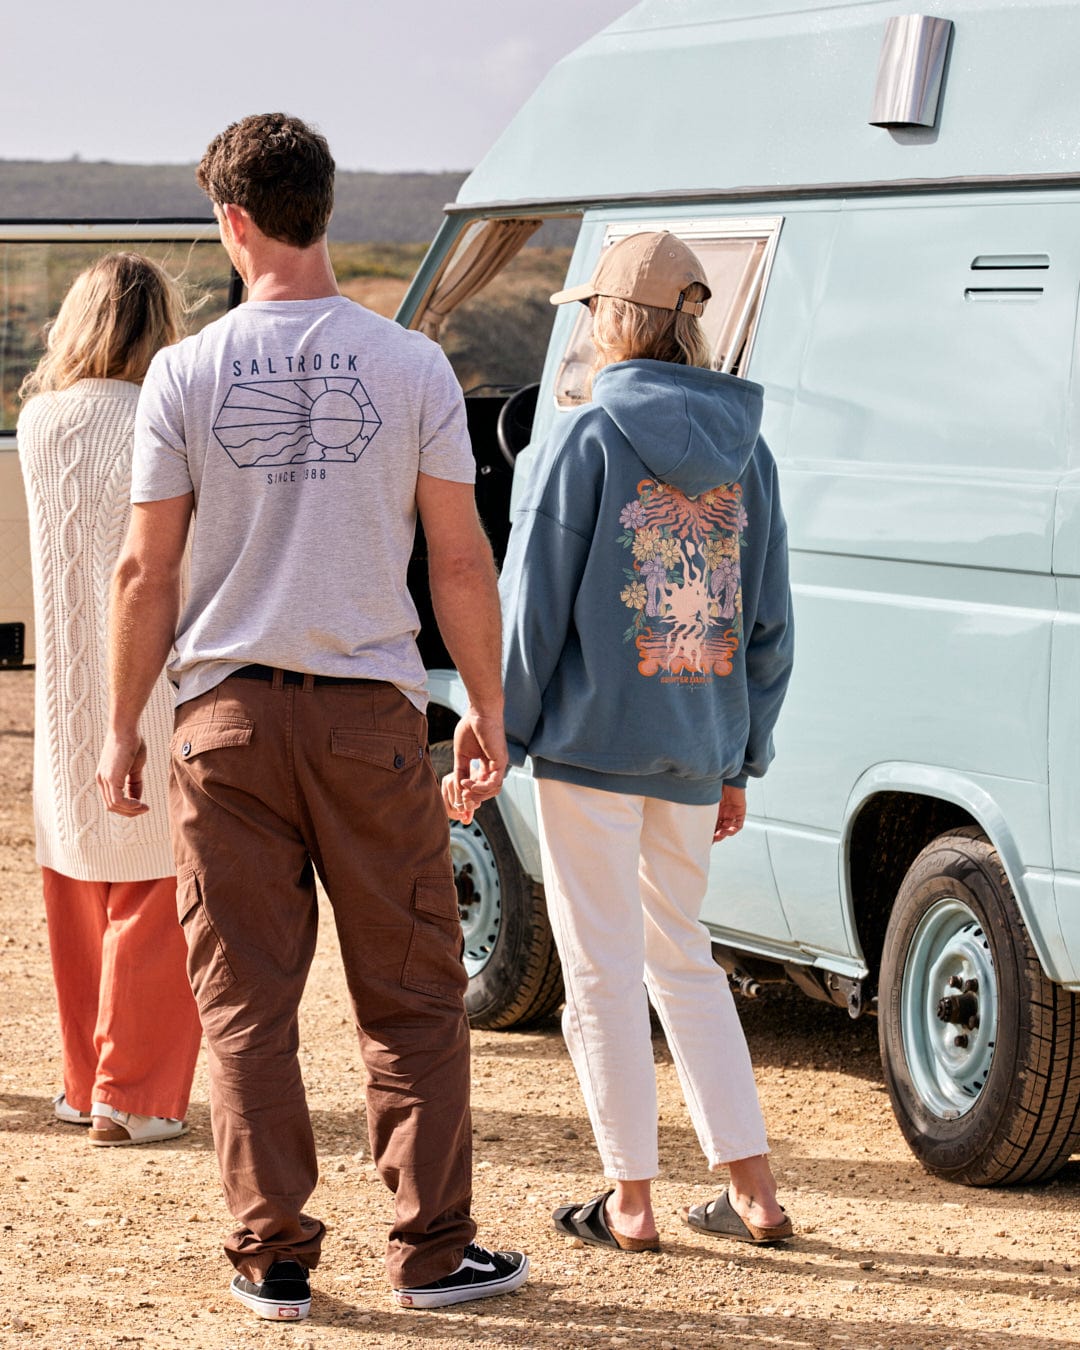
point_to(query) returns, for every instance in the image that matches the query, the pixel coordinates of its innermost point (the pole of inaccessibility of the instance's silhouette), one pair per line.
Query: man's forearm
(142, 625)
(465, 598)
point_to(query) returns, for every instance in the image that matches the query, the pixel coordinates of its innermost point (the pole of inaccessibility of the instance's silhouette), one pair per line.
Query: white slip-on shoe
(128, 1128)
(63, 1110)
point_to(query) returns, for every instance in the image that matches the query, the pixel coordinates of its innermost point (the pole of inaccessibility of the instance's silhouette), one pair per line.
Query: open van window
(488, 307)
(736, 255)
(36, 272)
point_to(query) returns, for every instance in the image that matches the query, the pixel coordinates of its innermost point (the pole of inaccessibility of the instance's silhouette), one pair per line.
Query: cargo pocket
(393, 750)
(433, 962)
(208, 967)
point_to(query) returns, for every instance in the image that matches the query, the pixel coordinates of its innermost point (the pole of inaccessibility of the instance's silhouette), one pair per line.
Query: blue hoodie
(646, 611)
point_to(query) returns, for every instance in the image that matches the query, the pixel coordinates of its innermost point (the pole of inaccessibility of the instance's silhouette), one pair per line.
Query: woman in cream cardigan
(128, 1023)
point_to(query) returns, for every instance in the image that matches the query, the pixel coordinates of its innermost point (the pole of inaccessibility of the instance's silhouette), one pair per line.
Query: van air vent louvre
(1011, 262)
(1002, 292)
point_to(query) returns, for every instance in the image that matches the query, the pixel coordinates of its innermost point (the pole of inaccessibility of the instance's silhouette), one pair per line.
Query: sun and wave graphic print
(272, 422)
(685, 586)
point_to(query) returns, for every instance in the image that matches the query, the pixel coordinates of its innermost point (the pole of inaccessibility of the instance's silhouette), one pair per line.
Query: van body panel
(880, 667)
(1064, 905)
(741, 900)
(806, 864)
(741, 69)
(1067, 522)
(1064, 731)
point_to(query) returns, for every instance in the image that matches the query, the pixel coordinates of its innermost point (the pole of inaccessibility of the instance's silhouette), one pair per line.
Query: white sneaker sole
(446, 1298)
(289, 1310)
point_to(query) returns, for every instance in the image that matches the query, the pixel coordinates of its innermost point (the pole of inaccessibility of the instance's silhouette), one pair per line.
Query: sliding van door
(926, 444)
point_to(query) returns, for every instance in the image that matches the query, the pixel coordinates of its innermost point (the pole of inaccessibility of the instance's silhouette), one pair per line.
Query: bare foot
(629, 1210)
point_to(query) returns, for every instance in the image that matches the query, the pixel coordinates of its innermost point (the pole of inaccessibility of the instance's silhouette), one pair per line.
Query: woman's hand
(731, 814)
(454, 800)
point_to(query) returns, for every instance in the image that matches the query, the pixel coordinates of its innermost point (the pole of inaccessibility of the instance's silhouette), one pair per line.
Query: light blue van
(888, 206)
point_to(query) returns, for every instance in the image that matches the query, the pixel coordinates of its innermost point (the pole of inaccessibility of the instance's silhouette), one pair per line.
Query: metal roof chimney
(910, 71)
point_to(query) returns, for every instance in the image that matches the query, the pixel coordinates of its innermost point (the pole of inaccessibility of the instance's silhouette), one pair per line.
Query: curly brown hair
(279, 170)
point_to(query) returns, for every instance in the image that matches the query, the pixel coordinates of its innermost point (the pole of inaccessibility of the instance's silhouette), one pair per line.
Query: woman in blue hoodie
(648, 643)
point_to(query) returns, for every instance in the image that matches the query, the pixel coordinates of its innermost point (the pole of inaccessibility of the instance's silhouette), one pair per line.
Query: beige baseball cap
(653, 268)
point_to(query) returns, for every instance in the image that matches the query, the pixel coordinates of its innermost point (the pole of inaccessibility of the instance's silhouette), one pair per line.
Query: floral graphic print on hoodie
(647, 615)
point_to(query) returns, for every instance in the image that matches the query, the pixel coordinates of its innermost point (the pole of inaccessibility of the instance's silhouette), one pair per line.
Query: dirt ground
(106, 1248)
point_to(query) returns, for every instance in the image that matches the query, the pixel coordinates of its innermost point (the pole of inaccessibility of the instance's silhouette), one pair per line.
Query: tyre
(510, 956)
(977, 1045)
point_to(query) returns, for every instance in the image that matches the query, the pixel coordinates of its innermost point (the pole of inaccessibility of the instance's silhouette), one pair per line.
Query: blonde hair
(626, 331)
(116, 316)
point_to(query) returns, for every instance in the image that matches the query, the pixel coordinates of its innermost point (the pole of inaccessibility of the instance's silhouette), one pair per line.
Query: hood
(693, 428)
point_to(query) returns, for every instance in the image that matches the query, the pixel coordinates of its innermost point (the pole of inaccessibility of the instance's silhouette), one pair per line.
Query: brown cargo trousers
(271, 781)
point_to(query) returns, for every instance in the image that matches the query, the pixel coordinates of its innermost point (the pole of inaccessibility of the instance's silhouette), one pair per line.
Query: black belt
(267, 673)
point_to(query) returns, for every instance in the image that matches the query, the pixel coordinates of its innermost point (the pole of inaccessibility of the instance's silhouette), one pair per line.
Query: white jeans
(625, 878)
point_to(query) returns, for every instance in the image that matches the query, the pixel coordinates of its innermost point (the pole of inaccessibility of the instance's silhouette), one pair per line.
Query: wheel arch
(893, 812)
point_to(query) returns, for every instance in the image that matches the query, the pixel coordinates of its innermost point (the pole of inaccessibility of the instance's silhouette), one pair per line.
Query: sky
(394, 85)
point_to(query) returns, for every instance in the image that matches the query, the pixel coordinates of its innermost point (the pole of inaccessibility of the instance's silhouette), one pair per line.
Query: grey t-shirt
(300, 426)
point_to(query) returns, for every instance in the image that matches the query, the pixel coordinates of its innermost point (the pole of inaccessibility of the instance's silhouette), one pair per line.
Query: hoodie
(646, 611)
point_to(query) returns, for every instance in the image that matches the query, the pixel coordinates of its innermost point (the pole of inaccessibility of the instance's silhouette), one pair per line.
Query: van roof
(747, 97)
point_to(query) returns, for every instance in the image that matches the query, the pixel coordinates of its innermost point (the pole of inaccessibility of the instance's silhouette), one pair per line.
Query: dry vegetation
(498, 338)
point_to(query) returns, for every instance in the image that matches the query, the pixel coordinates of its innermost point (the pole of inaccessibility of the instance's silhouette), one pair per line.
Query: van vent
(911, 69)
(1007, 262)
(1002, 292)
(1011, 262)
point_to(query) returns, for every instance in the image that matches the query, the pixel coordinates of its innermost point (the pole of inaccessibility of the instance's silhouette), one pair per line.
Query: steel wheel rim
(949, 945)
(476, 877)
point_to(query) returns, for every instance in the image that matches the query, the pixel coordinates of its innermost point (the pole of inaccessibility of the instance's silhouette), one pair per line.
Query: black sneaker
(283, 1294)
(481, 1274)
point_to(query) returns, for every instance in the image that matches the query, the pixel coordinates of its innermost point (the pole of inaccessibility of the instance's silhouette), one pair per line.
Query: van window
(35, 276)
(490, 307)
(736, 256)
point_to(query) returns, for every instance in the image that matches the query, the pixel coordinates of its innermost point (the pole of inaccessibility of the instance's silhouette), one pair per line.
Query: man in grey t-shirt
(305, 435)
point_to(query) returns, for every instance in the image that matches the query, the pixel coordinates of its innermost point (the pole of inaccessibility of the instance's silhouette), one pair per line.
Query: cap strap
(694, 307)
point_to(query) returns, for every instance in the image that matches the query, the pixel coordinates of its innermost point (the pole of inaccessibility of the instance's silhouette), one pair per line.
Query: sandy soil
(104, 1248)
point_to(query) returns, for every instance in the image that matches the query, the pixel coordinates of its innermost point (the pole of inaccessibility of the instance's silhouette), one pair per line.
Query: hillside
(396, 208)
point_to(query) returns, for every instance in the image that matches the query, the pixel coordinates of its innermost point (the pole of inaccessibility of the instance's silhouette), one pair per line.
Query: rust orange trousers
(128, 1023)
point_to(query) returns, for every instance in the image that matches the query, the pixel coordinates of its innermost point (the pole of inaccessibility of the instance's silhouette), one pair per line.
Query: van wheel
(977, 1045)
(510, 957)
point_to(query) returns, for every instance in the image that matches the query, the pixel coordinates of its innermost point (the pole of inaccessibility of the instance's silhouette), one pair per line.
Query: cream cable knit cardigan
(75, 452)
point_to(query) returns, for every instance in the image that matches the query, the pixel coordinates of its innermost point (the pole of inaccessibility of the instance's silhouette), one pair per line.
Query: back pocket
(393, 750)
(196, 738)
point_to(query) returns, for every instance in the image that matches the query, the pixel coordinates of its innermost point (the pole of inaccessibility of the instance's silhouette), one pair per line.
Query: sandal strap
(589, 1218)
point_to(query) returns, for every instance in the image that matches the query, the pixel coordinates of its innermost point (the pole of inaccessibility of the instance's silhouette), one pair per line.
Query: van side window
(489, 307)
(736, 255)
(35, 275)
